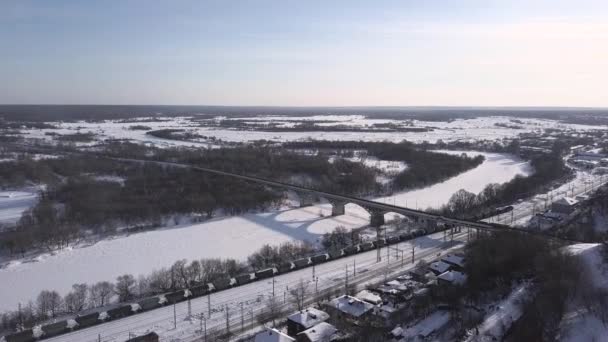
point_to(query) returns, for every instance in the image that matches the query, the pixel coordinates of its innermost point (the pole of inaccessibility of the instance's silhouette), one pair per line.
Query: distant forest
(424, 167)
(78, 199)
(34, 113)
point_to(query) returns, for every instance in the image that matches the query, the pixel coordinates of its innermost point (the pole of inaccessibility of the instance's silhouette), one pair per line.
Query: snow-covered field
(460, 129)
(230, 237)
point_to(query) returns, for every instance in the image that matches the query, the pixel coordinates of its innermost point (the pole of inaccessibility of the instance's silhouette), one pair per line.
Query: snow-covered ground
(460, 129)
(14, 203)
(230, 237)
(578, 323)
(498, 321)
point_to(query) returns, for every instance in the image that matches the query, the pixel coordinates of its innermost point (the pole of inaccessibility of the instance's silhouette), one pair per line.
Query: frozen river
(231, 237)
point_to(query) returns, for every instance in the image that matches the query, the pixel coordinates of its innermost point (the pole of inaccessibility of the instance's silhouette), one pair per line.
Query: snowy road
(331, 275)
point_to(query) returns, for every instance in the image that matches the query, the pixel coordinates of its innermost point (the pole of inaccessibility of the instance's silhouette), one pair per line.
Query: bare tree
(271, 312)
(125, 287)
(76, 300)
(101, 293)
(298, 294)
(48, 303)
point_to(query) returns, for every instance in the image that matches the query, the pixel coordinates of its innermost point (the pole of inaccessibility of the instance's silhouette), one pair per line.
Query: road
(254, 296)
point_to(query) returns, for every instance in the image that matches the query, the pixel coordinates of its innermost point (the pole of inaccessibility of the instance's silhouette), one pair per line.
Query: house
(370, 297)
(305, 319)
(272, 335)
(322, 332)
(350, 307)
(452, 278)
(565, 205)
(418, 274)
(455, 261)
(439, 267)
(427, 328)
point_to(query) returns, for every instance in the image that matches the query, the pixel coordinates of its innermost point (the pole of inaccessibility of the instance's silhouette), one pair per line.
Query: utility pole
(174, 317)
(346, 279)
(354, 268)
(209, 305)
(189, 309)
(242, 318)
(251, 314)
(227, 318)
(273, 285)
(413, 248)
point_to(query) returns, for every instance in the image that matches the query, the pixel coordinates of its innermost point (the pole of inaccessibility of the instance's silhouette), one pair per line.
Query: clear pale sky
(305, 52)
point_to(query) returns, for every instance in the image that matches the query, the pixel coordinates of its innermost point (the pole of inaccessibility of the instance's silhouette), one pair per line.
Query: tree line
(467, 205)
(424, 167)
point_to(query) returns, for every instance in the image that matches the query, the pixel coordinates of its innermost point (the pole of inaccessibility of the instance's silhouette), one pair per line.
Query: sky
(305, 53)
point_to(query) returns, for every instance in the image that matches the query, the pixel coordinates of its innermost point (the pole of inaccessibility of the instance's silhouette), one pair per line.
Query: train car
(177, 296)
(286, 267)
(244, 279)
(417, 232)
(320, 258)
(405, 236)
(367, 246)
(120, 312)
(88, 320)
(301, 263)
(266, 273)
(22, 336)
(336, 254)
(350, 250)
(199, 290)
(149, 303)
(393, 239)
(222, 284)
(55, 329)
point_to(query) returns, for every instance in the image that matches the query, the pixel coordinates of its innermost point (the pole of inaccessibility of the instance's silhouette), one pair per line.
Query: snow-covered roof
(454, 277)
(439, 267)
(351, 305)
(322, 332)
(454, 259)
(309, 317)
(566, 201)
(427, 326)
(273, 335)
(369, 297)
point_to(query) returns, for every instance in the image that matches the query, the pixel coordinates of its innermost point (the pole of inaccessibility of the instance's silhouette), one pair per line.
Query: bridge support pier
(306, 199)
(376, 217)
(337, 208)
